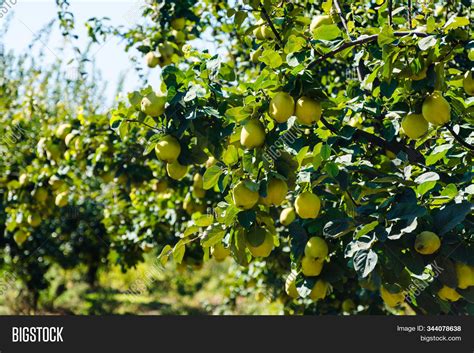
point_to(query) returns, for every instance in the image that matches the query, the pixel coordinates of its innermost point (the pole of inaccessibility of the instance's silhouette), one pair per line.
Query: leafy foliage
(363, 67)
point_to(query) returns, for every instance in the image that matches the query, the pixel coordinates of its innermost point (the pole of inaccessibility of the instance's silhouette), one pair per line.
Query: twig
(359, 41)
(143, 123)
(360, 75)
(352, 198)
(342, 47)
(270, 23)
(451, 49)
(413, 155)
(459, 138)
(409, 14)
(390, 19)
(341, 16)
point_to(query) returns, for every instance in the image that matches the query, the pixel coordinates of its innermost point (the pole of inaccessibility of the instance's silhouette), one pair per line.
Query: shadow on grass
(107, 301)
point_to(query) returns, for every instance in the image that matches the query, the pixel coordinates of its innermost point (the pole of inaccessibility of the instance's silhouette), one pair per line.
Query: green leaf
(438, 153)
(429, 176)
(367, 228)
(427, 42)
(230, 214)
(191, 230)
(123, 129)
(450, 216)
(387, 88)
(405, 211)
(212, 236)
(294, 44)
(332, 169)
(135, 98)
(178, 251)
(195, 91)
(430, 24)
(301, 154)
(237, 248)
(211, 177)
(327, 6)
(298, 240)
(456, 22)
(237, 114)
(336, 228)
(271, 58)
(149, 148)
(385, 36)
(246, 218)
(11, 225)
(325, 152)
(239, 18)
(317, 161)
(165, 254)
(326, 32)
(425, 187)
(413, 261)
(365, 262)
(435, 157)
(204, 220)
(230, 155)
(450, 191)
(115, 121)
(251, 185)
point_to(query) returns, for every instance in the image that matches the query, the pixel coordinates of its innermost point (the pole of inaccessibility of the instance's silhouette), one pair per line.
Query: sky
(29, 16)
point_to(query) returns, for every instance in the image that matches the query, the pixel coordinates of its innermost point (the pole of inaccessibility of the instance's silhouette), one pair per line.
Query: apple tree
(327, 145)
(58, 168)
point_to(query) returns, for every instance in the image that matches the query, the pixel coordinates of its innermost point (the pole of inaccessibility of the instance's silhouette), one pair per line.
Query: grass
(175, 291)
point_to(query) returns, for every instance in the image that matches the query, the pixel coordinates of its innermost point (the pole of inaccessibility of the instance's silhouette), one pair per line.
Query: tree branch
(459, 138)
(270, 23)
(359, 41)
(329, 126)
(394, 146)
